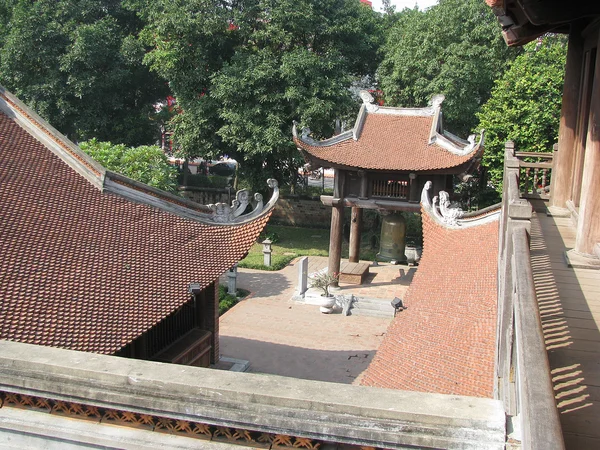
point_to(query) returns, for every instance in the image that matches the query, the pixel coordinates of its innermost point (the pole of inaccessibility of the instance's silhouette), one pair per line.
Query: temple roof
(524, 20)
(90, 260)
(444, 341)
(393, 139)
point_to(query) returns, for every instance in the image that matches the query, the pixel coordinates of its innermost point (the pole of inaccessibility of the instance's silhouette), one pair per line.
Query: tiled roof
(444, 342)
(391, 142)
(89, 270)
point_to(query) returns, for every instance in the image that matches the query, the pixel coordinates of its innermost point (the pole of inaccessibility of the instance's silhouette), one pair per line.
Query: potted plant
(323, 281)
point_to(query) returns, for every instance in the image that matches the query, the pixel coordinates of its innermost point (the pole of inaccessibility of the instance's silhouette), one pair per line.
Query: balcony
(556, 315)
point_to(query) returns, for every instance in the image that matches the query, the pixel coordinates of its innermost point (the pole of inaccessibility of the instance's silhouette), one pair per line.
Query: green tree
(525, 104)
(147, 163)
(243, 71)
(453, 48)
(79, 65)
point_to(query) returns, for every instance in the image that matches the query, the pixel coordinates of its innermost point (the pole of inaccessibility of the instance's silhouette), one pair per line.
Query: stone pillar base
(579, 260)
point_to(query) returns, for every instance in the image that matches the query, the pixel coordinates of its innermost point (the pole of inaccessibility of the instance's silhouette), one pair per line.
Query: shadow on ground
(266, 283)
(343, 366)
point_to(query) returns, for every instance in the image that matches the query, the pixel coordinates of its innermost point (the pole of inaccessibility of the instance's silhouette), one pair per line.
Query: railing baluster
(544, 179)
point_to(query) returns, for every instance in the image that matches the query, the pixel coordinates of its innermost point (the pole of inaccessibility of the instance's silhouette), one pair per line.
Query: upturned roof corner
(108, 181)
(409, 138)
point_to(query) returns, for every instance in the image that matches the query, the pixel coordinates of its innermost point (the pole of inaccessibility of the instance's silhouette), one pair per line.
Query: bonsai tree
(323, 280)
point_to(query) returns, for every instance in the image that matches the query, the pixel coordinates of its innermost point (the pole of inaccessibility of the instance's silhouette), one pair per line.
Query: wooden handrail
(541, 155)
(535, 165)
(540, 425)
(523, 373)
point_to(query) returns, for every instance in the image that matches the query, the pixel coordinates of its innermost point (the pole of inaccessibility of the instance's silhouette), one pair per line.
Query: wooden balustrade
(535, 174)
(390, 188)
(523, 380)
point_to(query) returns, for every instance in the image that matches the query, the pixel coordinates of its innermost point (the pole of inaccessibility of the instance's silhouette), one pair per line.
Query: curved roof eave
(105, 180)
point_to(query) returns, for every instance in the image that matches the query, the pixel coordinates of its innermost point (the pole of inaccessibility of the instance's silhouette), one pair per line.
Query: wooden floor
(569, 302)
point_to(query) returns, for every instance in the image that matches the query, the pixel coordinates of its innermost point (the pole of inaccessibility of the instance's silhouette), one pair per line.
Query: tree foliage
(243, 71)
(525, 104)
(79, 65)
(453, 48)
(147, 163)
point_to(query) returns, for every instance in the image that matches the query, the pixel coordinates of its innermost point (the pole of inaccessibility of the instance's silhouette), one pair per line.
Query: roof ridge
(52, 139)
(437, 135)
(454, 218)
(105, 180)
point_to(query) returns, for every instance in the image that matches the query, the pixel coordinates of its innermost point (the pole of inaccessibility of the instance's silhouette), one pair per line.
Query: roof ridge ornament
(225, 214)
(368, 101)
(437, 100)
(449, 214)
(441, 209)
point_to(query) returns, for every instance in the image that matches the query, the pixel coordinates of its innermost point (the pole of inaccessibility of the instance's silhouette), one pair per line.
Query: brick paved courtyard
(280, 336)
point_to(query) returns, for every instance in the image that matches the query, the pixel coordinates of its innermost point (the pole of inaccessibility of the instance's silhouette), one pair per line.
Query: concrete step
(383, 305)
(372, 313)
(372, 307)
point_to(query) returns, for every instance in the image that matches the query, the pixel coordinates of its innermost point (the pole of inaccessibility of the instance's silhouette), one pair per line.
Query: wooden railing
(522, 371)
(536, 173)
(390, 188)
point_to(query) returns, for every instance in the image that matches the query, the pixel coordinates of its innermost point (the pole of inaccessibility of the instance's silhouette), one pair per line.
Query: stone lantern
(267, 252)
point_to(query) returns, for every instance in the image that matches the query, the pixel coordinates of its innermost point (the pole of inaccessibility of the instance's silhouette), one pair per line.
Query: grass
(227, 301)
(291, 242)
(288, 243)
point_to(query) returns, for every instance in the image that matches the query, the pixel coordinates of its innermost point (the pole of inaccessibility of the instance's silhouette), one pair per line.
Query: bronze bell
(393, 239)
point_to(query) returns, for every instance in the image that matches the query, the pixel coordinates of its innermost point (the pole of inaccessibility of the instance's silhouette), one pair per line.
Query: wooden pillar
(364, 185)
(562, 171)
(588, 225)
(337, 224)
(355, 231)
(335, 240)
(414, 194)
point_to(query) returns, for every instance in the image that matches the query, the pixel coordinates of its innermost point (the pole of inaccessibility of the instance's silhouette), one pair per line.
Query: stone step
(372, 307)
(383, 305)
(372, 313)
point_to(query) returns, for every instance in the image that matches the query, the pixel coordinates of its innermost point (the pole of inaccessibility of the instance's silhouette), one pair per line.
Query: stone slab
(319, 410)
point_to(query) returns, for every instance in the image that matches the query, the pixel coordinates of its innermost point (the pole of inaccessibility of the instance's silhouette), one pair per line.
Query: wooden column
(335, 240)
(414, 194)
(355, 231)
(588, 225)
(337, 224)
(562, 172)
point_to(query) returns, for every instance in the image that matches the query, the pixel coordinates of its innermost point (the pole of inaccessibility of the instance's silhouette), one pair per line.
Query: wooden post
(414, 194)
(337, 224)
(335, 240)
(355, 231)
(562, 172)
(588, 225)
(364, 188)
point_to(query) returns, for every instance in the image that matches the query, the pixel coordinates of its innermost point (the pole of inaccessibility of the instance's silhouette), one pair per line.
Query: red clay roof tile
(444, 342)
(91, 271)
(391, 143)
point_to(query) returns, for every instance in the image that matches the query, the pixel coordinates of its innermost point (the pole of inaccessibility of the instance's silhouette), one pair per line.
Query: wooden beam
(387, 205)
